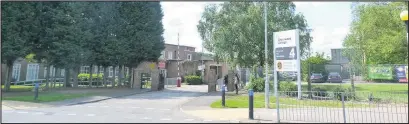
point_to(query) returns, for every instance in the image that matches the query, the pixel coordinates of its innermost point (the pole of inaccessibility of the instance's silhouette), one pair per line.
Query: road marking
(120, 107)
(165, 109)
(189, 119)
(71, 114)
(149, 108)
(90, 114)
(165, 119)
(136, 107)
(38, 113)
(105, 106)
(22, 112)
(146, 118)
(7, 111)
(90, 106)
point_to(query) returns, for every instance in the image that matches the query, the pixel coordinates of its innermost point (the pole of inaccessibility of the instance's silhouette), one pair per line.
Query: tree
(377, 35)
(313, 64)
(235, 30)
(15, 27)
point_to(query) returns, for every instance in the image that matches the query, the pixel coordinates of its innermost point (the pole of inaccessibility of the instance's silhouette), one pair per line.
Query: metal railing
(170, 82)
(343, 107)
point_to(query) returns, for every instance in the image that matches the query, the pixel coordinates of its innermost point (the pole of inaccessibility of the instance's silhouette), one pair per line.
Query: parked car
(317, 78)
(334, 77)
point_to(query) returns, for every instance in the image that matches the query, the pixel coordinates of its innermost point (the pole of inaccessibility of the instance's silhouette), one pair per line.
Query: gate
(146, 81)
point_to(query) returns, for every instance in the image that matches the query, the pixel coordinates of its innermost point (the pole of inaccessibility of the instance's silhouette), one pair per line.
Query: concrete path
(151, 107)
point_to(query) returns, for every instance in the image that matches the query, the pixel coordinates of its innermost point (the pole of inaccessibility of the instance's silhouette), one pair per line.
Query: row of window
(33, 71)
(170, 55)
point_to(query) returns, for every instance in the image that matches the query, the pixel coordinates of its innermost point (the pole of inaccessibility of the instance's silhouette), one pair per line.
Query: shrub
(257, 84)
(198, 73)
(287, 86)
(193, 80)
(319, 91)
(85, 76)
(348, 94)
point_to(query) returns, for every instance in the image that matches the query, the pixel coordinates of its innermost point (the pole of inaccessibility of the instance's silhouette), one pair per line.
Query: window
(189, 57)
(162, 55)
(62, 72)
(32, 72)
(51, 71)
(170, 55)
(16, 72)
(84, 69)
(111, 71)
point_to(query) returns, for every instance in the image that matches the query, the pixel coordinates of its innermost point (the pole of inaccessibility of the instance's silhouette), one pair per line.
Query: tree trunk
(76, 71)
(120, 76)
(104, 80)
(98, 74)
(91, 70)
(9, 67)
(113, 76)
(130, 83)
(54, 79)
(67, 82)
(309, 81)
(47, 76)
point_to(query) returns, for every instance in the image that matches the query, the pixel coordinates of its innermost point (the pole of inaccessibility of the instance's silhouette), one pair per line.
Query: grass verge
(47, 97)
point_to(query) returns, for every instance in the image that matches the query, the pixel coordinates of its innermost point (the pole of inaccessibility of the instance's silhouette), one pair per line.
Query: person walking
(236, 83)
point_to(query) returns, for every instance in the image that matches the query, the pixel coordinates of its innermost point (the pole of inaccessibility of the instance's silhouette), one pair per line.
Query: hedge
(193, 80)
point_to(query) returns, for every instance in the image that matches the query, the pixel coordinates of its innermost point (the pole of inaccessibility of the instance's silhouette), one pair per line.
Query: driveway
(152, 107)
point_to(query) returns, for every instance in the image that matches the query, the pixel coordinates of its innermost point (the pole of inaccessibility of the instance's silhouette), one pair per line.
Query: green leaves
(235, 30)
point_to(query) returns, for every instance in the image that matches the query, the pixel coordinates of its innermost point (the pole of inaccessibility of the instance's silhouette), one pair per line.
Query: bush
(85, 76)
(348, 94)
(257, 84)
(319, 91)
(193, 80)
(287, 86)
(198, 73)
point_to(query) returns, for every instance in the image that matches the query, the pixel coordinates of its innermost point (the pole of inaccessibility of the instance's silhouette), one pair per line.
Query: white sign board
(286, 50)
(287, 55)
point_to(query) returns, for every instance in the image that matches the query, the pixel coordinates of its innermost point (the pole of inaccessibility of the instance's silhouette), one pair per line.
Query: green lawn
(242, 101)
(22, 88)
(395, 93)
(46, 97)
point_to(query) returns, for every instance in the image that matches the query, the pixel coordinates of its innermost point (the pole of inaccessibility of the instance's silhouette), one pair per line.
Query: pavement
(149, 107)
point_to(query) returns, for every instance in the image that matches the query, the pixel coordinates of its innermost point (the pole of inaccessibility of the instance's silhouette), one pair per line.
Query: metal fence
(170, 82)
(343, 107)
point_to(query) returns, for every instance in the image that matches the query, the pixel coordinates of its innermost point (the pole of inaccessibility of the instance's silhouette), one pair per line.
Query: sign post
(287, 56)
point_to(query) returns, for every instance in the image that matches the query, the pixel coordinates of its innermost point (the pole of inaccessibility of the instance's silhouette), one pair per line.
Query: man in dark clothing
(236, 83)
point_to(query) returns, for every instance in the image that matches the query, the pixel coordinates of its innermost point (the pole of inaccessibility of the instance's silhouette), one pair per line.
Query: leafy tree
(235, 30)
(377, 35)
(15, 27)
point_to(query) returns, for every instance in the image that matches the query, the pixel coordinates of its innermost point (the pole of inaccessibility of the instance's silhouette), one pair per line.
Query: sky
(329, 21)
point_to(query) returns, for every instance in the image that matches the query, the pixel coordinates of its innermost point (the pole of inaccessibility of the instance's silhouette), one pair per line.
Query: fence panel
(344, 107)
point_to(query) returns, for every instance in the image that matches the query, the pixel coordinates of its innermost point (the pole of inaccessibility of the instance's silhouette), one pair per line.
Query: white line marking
(146, 118)
(22, 112)
(7, 111)
(120, 107)
(105, 106)
(90, 106)
(90, 114)
(38, 113)
(149, 108)
(189, 119)
(136, 107)
(165, 119)
(71, 114)
(165, 109)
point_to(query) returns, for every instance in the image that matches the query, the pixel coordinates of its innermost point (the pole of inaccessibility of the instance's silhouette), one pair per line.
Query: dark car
(334, 77)
(317, 78)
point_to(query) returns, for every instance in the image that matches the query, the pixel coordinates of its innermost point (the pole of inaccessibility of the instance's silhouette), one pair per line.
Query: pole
(298, 61)
(223, 96)
(178, 79)
(36, 90)
(267, 84)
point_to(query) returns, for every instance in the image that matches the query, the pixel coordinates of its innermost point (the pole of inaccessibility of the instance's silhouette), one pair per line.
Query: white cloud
(325, 39)
(182, 18)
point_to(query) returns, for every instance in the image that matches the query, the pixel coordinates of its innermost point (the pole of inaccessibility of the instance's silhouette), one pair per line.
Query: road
(152, 107)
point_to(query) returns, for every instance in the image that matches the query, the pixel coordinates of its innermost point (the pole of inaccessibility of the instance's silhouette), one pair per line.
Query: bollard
(36, 91)
(178, 82)
(251, 111)
(223, 96)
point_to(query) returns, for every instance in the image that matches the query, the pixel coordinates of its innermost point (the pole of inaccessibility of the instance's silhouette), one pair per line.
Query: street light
(404, 17)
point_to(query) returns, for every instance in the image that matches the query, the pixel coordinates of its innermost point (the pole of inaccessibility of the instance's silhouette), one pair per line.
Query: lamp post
(404, 17)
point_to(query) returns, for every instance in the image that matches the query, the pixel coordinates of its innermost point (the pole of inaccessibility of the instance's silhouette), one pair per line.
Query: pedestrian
(236, 82)
(226, 80)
